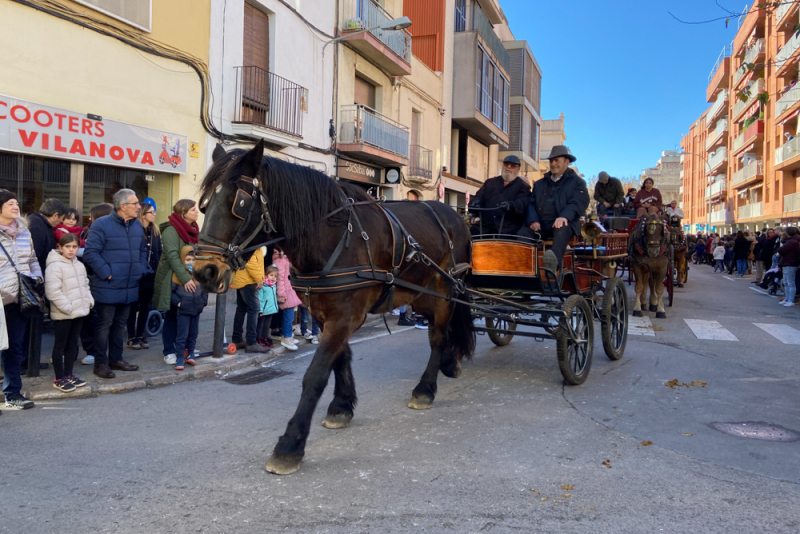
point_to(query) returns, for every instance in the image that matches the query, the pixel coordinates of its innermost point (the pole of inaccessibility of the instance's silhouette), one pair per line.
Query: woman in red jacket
(648, 199)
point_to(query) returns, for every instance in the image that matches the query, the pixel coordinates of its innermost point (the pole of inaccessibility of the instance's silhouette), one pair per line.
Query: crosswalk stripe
(710, 330)
(763, 292)
(728, 278)
(640, 326)
(782, 332)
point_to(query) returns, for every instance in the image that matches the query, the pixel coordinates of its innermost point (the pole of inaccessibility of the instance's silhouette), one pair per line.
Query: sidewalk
(152, 369)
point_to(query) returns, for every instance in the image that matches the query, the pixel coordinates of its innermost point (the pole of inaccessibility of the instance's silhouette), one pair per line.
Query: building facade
(667, 176)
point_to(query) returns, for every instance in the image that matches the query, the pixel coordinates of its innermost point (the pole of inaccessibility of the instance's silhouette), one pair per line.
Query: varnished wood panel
(492, 257)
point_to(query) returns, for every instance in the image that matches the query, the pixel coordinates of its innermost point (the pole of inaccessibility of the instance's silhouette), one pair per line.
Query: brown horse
(352, 256)
(648, 250)
(679, 249)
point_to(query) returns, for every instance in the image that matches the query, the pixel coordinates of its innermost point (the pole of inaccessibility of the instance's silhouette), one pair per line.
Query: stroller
(772, 278)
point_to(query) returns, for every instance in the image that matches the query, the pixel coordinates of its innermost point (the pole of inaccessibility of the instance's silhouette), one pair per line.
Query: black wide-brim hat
(561, 151)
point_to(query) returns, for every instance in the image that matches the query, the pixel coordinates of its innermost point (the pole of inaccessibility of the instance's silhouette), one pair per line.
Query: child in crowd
(287, 299)
(699, 251)
(268, 298)
(187, 308)
(719, 257)
(70, 226)
(729, 263)
(67, 289)
(312, 335)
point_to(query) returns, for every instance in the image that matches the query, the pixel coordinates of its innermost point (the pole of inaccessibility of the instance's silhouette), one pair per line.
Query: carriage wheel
(575, 357)
(614, 318)
(501, 340)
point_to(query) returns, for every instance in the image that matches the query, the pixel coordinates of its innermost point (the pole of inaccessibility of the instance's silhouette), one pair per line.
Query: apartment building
(747, 141)
(666, 174)
(103, 95)
(553, 133)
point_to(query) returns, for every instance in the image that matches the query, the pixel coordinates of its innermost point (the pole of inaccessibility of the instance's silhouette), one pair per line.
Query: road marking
(782, 332)
(763, 292)
(709, 330)
(640, 326)
(728, 278)
(353, 342)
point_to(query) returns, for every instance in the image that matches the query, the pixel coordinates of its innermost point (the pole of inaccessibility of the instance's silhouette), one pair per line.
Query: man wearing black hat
(558, 201)
(609, 195)
(504, 198)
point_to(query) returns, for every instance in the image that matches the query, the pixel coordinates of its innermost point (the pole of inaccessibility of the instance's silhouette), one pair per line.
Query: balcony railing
(266, 99)
(717, 216)
(738, 142)
(750, 211)
(477, 21)
(782, 10)
(720, 156)
(787, 151)
(362, 14)
(726, 52)
(715, 188)
(717, 107)
(419, 164)
(755, 88)
(754, 51)
(754, 168)
(791, 202)
(722, 126)
(361, 124)
(788, 100)
(787, 50)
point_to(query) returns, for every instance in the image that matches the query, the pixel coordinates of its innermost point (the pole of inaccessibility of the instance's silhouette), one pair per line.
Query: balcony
(755, 88)
(718, 79)
(755, 52)
(718, 216)
(787, 101)
(268, 106)
(368, 134)
(389, 49)
(791, 203)
(781, 14)
(717, 159)
(786, 56)
(715, 189)
(751, 134)
(420, 164)
(718, 106)
(787, 156)
(749, 211)
(474, 20)
(747, 174)
(717, 135)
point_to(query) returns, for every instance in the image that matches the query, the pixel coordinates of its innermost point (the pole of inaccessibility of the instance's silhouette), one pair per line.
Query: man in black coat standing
(609, 195)
(558, 201)
(504, 197)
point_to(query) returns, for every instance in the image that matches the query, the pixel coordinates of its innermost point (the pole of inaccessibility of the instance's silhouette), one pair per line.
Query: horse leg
(653, 278)
(660, 311)
(638, 288)
(423, 394)
(340, 410)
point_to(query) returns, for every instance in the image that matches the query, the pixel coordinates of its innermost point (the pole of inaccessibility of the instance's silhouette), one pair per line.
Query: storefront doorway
(100, 182)
(34, 179)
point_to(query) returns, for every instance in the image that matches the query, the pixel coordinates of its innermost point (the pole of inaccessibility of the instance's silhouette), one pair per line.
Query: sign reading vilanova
(46, 131)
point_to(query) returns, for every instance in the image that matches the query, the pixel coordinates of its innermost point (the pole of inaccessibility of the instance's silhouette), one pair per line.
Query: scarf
(187, 232)
(11, 229)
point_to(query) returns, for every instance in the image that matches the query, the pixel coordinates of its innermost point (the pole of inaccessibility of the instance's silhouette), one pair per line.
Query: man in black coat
(609, 195)
(558, 201)
(770, 246)
(41, 224)
(505, 197)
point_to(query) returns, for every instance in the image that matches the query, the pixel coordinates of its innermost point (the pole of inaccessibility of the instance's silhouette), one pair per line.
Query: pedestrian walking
(699, 250)
(141, 309)
(729, 263)
(67, 289)
(719, 258)
(287, 299)
(758, 260)
(186, 306)
(790, 261)
(741, 249)
(268, 299)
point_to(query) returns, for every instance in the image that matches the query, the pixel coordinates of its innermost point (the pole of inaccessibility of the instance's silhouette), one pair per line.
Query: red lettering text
(26, 114)
(147, 158)
(27, 140)
(86, 126)
(133, 155)
(73, 124)
(61, 118)
(97, 150)
(3, 104)
(116, 153)
(99, 128)
(45, 142)
(58, 147)
(77, 148)
(38, 120)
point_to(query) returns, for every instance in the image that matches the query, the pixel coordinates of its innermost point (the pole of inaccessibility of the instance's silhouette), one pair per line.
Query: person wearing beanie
(609, 195)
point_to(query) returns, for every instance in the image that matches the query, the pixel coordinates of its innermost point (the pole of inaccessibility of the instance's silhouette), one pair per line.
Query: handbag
(31, 292)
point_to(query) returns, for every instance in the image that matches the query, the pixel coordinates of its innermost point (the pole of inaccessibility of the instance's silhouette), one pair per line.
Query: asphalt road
(494, 454)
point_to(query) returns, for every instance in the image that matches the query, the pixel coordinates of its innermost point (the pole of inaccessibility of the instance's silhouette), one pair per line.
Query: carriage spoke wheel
(575, 354)
(501, 340)
(614, 318)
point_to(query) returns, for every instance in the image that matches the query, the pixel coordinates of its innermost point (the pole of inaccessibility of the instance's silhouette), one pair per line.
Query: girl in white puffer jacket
(67, 289)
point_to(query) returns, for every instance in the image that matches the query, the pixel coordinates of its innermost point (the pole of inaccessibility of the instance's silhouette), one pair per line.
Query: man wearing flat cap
(609, 195)
(556, 205)
(502, 200)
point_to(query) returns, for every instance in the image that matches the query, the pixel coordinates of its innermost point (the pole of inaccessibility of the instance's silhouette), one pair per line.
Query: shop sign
(53, 132)
(194, 149)
(351, 170)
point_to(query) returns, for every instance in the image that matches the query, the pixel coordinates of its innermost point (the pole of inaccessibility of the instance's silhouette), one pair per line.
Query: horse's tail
(461, 336)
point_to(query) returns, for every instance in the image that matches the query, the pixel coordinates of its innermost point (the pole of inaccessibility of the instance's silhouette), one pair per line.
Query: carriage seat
(617, 223)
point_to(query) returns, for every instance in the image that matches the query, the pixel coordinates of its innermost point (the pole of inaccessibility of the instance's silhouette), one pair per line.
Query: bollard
(220, 348)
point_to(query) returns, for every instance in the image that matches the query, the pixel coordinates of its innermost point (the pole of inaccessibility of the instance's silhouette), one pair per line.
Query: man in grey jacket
(609, 195)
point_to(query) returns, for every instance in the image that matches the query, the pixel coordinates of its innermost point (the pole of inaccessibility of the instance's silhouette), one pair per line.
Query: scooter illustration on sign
(170, 155)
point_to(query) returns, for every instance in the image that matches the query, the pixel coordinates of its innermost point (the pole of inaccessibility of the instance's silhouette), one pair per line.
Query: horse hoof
(340, 420)
(282, 466)
(420, 403)
(661, 315)
(653, 308)
(637, 313)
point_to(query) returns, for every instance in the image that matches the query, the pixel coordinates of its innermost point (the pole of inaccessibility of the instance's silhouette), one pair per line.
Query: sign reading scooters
(46, 131)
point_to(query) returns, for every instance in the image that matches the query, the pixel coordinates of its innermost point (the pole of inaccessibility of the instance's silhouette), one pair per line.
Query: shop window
(34, 179)
(100, 182)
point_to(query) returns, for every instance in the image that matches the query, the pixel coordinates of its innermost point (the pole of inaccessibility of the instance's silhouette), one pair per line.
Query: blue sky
(629, 78)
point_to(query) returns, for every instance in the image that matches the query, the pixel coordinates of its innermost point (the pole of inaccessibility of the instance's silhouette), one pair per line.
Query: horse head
(655, 235)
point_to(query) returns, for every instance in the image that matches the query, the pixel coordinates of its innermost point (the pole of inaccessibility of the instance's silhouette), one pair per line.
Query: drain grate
(757, 430)
(257, 376)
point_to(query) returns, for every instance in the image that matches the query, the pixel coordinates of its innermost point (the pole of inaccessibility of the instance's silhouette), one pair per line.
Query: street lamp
(390, 25)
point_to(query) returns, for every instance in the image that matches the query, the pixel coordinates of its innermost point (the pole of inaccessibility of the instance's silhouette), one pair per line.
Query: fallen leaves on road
(646, 443)
(567, 495)
(567, 486)
(535, 490)
(688, 433)
(607, 463)
(544, 498)
(674, 383)
(698, 383)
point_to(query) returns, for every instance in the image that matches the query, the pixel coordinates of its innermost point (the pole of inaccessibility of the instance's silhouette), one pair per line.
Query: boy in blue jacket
(187, 307)
(268, 298)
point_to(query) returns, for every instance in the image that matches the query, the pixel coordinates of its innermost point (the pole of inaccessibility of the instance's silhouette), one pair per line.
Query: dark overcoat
(492, 194)
(572, 200)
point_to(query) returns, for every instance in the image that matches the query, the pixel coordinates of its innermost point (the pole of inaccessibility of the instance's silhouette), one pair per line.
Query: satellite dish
(392, 176)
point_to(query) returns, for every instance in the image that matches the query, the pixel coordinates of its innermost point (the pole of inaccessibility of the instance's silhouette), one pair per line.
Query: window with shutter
(255, 80)
(364, 93)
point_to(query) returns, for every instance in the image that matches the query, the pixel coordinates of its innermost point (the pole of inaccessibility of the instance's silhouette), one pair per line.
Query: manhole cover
(757, 430)
(256, 377)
